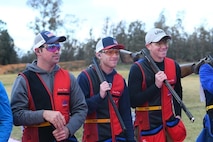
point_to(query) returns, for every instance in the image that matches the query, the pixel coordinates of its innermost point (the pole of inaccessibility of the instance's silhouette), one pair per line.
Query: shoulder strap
(93, 80)
(143, 75)
(31, 104)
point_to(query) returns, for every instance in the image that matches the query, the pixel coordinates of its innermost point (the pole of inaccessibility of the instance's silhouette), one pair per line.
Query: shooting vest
(40, 98)
(104, 116)
(160, 106)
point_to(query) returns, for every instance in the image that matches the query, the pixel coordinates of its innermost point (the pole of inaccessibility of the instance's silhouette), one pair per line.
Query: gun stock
(186, 69)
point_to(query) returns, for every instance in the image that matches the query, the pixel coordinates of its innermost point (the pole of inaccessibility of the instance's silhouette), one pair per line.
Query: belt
(148, 108)
(209, 107)
(44, 124)
(97, 121)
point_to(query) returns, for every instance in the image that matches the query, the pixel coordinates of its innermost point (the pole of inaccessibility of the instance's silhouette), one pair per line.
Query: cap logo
(49, 34)
(158, 32)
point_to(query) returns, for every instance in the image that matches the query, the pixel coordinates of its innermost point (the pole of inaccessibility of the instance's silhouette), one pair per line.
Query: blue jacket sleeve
(92, 102)
(6, 119)
(206, 77)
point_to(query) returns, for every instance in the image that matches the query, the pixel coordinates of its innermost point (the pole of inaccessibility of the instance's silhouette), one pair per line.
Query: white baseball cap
(155, 35)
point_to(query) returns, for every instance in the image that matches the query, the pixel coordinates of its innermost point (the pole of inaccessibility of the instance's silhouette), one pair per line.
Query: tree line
(184, 47)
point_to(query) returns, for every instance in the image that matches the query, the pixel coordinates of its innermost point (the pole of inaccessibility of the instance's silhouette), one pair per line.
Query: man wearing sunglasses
(46, 99)
(102, 124)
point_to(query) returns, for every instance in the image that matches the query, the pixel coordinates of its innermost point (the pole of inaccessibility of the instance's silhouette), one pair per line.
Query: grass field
(190, 98)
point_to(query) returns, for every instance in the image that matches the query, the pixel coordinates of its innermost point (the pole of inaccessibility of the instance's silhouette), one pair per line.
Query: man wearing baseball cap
(102, 123)
(157, 113)
(46, 99)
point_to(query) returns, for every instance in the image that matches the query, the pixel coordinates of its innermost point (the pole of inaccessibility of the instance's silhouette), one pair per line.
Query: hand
(159, 78)
(55, 118)
(104, 86)
(178, 116)
(196, 66)
(61, 134)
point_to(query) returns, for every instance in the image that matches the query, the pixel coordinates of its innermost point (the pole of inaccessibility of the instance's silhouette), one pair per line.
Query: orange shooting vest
(58, 101)
(90, 133)
(142, 112)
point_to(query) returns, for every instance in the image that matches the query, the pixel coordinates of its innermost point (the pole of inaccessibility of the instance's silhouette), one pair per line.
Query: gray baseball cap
(155, 35)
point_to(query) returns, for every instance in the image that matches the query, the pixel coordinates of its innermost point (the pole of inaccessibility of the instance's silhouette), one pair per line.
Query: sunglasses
(110, 52)
(52, 47)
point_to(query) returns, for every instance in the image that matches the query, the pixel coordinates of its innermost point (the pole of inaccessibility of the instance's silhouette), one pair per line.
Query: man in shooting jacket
(205, 71)
(102, 123)
(46, 99)
(157, 113)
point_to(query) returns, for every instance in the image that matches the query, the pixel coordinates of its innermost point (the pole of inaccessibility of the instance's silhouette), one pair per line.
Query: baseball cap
(107, 43)
(155, 35)
(48, 38)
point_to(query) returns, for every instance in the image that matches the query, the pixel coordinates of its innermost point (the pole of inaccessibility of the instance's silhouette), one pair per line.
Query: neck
(106, 69)
(46, 67)
(157, 59)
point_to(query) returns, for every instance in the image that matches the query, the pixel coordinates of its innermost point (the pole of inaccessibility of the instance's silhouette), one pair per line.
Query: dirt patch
(11, 68)
(73, 65)
(16, 68)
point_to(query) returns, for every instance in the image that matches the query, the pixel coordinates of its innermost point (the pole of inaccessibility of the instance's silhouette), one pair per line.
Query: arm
(137, 96)
(19, 105)
(6, 121)
(206, 77)
(125, 111)
(78, 107)
(178, 90)
(92, 102)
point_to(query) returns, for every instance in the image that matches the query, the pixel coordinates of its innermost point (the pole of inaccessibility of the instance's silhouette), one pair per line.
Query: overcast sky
(16, 14)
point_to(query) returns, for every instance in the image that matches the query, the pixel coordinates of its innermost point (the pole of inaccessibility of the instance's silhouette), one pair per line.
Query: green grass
(191, 99)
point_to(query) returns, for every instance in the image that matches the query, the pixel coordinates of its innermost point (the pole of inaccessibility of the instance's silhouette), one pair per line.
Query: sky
(17, 15)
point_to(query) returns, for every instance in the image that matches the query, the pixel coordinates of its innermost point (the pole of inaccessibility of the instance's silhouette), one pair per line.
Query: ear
(98, 55)
(37, 50)
(148, 46)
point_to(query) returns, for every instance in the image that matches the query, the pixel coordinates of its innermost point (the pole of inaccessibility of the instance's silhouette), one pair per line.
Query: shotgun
(102, 79)
(129, 57)
(174, 94)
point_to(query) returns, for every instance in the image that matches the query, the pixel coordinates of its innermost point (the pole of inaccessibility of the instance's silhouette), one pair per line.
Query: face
(49, 53)
(109, 58)
(158, 50)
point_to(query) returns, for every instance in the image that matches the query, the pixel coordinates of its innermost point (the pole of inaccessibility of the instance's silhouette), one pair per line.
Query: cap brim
(166, 37)
(159, 38)
(56, 39)
(117, 46)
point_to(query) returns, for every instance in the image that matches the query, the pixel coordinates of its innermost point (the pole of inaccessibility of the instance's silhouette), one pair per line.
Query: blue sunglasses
(52, 47)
